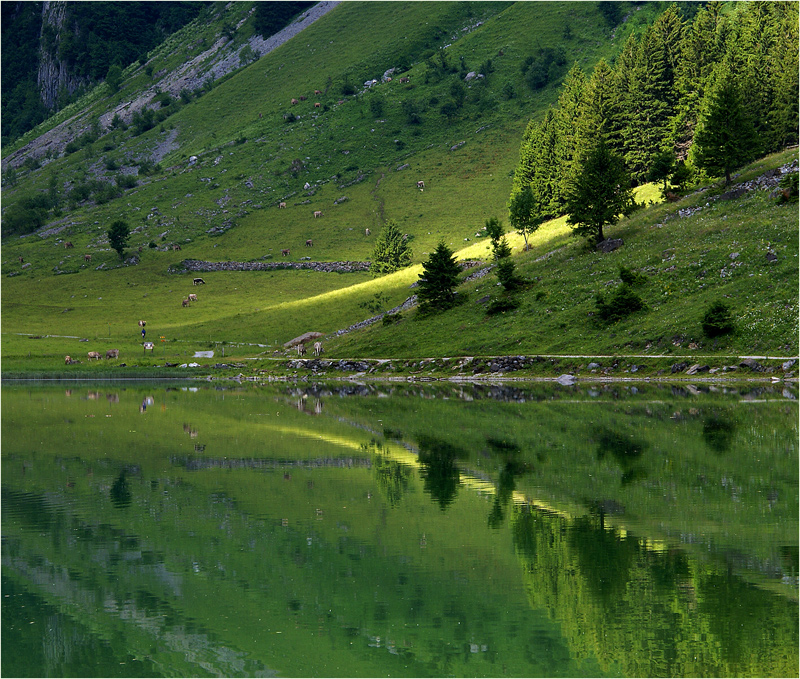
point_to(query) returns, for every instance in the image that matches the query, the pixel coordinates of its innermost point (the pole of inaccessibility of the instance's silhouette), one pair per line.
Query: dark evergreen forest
(687, 99)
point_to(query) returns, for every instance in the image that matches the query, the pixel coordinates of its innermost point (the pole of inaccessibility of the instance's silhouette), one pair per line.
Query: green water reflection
(346, 530)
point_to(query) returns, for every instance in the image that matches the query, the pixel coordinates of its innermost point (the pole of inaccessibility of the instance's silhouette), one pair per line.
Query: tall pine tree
(725, 138)
(438, 280)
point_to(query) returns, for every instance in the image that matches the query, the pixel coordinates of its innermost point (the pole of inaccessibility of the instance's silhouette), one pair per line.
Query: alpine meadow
(583, 179)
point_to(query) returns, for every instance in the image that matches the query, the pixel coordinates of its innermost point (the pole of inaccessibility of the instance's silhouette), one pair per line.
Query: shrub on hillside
(631, 277)
(502, 304)
(717, 320)
(622, 303)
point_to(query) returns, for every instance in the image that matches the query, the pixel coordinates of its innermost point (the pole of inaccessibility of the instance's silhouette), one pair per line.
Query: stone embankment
(194, 265)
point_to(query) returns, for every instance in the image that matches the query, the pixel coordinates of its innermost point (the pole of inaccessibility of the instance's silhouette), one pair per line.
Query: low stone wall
(327, 267)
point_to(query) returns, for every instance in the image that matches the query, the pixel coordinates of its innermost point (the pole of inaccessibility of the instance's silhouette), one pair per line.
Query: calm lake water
(399, 529)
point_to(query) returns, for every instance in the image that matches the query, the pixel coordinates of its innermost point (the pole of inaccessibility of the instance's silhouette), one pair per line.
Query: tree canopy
(438, 280)
(599, 194)
(392, 250)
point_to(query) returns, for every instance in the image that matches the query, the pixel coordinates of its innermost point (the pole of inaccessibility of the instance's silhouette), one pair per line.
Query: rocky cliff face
(54, 75)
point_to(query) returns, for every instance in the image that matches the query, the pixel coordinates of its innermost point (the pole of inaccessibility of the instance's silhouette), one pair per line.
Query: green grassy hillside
(251, 155)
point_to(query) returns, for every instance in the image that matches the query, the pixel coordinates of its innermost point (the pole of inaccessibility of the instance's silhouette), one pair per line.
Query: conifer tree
(118, 237)
(702, 47)
(600, 193)
(570, 105)
(438, 280)
(392, 250)
(501, 253)
(600, 114)
(652, 97)
(725, 136)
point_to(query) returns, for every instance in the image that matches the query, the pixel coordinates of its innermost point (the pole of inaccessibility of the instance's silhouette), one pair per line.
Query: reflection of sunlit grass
(405, 457)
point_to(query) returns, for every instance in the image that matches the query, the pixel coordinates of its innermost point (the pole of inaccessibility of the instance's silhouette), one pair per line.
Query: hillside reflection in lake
(398, 529)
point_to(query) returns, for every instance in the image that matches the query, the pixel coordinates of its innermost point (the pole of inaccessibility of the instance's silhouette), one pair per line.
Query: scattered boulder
(697, 368)
(679, 367)
(566, 380)
(609, 245)
(752, 364)
(787, 366)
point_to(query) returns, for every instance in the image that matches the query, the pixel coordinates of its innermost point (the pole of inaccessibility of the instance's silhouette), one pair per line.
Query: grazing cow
(317, 92)
(301, 349)
(285, 252)
(142, 324)
(294, 101)
(21, 260)
(87, 258)
(68, 245)
(198, 281)
(404, 79)
(317, 213)
(112, 353)
(317, 104)
(367, 232)
(421, 185)
(317, 348)
(185, 302)
(281, 205)
(176, 247)
(93, 355)
(309, 243)
(67, 360)
(303, 97)
(192, 297)
(149, 345)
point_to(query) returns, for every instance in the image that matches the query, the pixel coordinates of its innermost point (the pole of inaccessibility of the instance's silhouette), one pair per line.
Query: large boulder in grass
(302, 339)
(609, 244)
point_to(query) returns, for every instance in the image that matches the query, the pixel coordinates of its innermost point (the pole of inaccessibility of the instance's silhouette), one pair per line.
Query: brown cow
(317, 92)
(87, 258)
(176, 247)
(303, 97)
(142, 324)
(112, 353)
(294, 101)
(317, 104)
(68, 245)
(404, 79)
(281, 205)
(285, 252)
(192, 297)
(185, 302)
(93, 354)
(67, 360)
(317, 213)
(309, 243)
